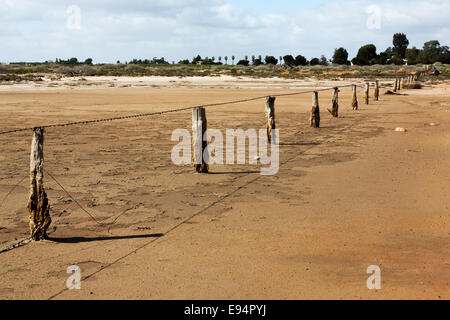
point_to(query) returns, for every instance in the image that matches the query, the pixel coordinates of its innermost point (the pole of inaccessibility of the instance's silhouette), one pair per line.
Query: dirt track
(352, 194)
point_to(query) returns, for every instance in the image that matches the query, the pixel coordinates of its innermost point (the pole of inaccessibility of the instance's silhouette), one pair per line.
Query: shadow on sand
(93, 239)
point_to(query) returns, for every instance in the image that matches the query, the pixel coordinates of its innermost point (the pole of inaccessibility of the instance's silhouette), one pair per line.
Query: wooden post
(399, 84)
(270, 117)
(377, 90)
(38, 206)
(355, 98)
(315, 112)
(199, 127)
(367, 92)
(395, 85)
(335, 103)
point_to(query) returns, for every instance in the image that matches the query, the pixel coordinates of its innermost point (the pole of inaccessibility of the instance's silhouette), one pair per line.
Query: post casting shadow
(84, 239)
(235, 172)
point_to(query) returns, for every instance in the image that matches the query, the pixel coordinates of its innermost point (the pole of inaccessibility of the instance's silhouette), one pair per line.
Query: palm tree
(232, 58)
(226, 59)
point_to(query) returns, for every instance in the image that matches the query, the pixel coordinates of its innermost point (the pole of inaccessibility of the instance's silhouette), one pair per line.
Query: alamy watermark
(74, 281)
(73, 21)
(215, 153)
(374, 20)
(374, 281)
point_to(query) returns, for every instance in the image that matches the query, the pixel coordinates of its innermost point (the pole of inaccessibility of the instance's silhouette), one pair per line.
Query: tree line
(398, 54)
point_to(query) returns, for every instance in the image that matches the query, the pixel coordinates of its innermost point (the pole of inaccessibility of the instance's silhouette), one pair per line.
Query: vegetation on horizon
(367, 63)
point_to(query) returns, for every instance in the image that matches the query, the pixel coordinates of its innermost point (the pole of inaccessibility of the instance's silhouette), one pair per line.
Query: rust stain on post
(38, 206)
(315, 112)
(335, 103)
(270, 117)
(355, 98)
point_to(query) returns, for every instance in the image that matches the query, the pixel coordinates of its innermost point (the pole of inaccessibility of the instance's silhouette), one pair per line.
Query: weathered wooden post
(335, 103)
(399, 84)
(355, 98)
(315, 112)
(395, 85)
(367, 92)
(199, 127)
(270, 117)
(38, 206)
(377, 90)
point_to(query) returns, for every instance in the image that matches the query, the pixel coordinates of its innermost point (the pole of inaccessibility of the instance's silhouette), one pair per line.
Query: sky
(111, 30)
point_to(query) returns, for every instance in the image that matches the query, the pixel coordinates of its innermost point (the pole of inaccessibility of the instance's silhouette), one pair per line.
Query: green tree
(400, 42)
(314, 61)
(289, 60)
(430, 53)
(88, 61)
(226, 59)
(300, 60)
(271, 60)
(72, 61)
(243, 63)
(233, 58)
(366, 55)
(444, 57)
(412, 56)
(197, 59)
(257, 62)
(340, 56)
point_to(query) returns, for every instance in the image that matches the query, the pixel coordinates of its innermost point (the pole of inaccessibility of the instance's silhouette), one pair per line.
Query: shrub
(300, 60)
(271, 60)
(289, 60)
(314, 61)
(340, 56)
(366, 55)
(257, 62)
(243, 63)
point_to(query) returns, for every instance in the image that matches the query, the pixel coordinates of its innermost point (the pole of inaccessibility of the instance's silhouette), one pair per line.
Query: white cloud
(175, 29)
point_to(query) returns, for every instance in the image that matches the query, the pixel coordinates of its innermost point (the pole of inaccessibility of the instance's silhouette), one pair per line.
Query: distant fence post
(399, 84)
(377, 90)
(367, 92)
(38, 206)
(199, 127)
(270, 117)
(335, 103)
(315, 112)
(355, 98)
(395, 85)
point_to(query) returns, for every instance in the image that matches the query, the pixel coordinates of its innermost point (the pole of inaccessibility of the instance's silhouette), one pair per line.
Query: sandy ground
(349, 195)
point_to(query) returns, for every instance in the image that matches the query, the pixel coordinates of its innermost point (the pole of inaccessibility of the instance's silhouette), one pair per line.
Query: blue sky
(111, 30)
